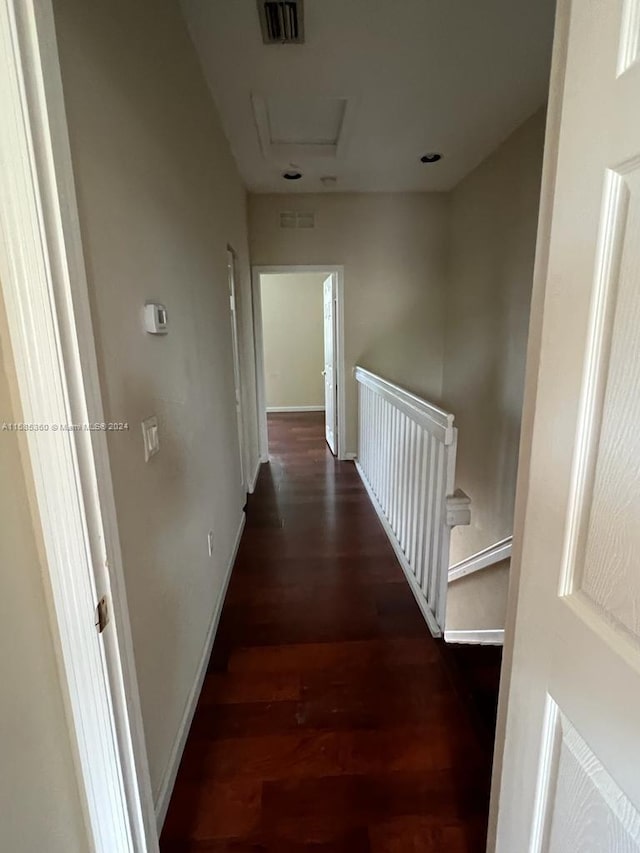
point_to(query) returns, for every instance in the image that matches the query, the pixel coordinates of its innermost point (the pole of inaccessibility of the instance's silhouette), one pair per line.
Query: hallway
(329, 720)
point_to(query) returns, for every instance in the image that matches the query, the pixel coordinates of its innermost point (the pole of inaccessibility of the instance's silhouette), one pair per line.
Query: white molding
(406, 568)
(44, 285)
(329, 269)
(436, 420)
(258, 347)
(485, 637)
(341, 378)
(274, 409)
(169, 779)
(350, 456)
(235, 321)
(255, 475)
(482, 559)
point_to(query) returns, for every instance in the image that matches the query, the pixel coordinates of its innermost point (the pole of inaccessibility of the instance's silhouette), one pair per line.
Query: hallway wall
(293, 338)
(494, 215)
(393, 248)
(40, 803)
(159, 199)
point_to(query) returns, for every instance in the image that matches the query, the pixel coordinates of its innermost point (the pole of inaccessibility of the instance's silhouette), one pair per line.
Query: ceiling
(377, 84)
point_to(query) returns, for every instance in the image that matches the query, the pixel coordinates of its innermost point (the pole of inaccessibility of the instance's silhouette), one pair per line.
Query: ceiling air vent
(295, 219)
(281, 21)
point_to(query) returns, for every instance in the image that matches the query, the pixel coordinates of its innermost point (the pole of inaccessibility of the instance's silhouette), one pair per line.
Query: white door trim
(534, 343)
(329, 372)
(329, 269)
(44, 286)
(238, 373)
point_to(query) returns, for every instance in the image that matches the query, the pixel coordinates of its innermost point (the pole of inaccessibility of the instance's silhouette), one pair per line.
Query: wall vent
(294, 219)
(281, 21)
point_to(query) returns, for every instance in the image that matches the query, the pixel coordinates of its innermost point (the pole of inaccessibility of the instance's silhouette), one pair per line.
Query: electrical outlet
(210, 542)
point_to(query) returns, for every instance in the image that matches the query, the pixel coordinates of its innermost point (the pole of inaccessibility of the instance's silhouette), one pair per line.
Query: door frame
(279, 269)
(238, 373)
(331, 281)
(534, 346)
(44, 285)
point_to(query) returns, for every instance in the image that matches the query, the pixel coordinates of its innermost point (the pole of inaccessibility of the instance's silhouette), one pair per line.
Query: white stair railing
(406, 459)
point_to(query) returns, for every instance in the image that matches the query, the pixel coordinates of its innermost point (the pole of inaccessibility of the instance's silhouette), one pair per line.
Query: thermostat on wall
(155, 318)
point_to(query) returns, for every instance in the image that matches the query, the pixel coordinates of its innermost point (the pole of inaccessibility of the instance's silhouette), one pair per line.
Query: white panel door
(330, 390)
(571, 773)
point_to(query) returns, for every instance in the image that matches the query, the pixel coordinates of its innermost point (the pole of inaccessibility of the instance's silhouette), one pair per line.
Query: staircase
(406, 460)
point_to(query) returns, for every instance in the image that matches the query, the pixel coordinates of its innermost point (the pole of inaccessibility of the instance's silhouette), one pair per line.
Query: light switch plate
(155, 318)
(151, 437)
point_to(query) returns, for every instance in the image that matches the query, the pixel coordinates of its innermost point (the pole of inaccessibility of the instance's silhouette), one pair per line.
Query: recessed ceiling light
(292, 176)
(431, 157)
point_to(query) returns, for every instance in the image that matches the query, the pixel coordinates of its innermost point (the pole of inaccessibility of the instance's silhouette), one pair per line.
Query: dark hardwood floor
(330, 720)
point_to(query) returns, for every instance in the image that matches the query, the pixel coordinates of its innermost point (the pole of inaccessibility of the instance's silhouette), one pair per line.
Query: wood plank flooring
(329, 721)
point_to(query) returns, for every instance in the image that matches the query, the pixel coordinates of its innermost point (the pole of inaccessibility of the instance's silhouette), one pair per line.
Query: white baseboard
(482, 560)
(254, 478)
(487, 637)
(166, 788)
(413, 584)
(350, 457)
(295, 409)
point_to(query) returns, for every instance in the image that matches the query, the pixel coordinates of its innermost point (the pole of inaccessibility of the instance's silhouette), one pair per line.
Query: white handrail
(406, 459)
(482, 559)
(415, 407)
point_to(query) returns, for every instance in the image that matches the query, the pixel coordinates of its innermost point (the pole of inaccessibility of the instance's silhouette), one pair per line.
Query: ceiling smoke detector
(281, 21)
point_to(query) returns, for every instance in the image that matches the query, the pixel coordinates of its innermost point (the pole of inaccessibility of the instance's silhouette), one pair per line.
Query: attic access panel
(305, 121)
(291, 126)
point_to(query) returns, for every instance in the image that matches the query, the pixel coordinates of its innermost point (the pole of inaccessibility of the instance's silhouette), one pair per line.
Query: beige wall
(159, 199)
(478, 602)
(293, 338)
(494, 213)
(393, 251)
(40, 806)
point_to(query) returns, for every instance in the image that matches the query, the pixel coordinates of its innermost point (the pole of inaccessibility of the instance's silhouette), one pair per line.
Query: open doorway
(298, 315)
